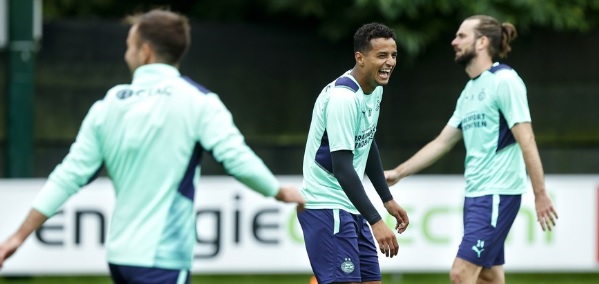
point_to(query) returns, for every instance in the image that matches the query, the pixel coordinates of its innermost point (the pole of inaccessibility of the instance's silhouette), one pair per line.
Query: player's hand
(392, 177)
(401, 217)
(8, 248)
(290, 194)
(546, 214)
(385, 238)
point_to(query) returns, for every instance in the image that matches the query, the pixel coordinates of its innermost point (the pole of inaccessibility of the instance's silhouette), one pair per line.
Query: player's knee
(457, 275)
(485, 278)
(490, 276)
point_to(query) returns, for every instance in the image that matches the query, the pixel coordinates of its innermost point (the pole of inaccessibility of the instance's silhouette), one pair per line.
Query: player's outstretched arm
(290, 194)
(546, 213)
(218, 134)
(426, 156)
(33, 221)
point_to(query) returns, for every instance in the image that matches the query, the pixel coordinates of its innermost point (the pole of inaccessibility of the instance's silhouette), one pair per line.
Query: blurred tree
(58, 9)
(417, 22)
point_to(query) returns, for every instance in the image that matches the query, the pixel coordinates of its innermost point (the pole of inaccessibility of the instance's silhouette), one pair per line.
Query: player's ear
(482, 42)
(146, 52)
(359, 58)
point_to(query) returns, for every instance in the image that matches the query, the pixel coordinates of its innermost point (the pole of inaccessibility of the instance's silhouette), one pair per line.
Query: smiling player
(339, 151)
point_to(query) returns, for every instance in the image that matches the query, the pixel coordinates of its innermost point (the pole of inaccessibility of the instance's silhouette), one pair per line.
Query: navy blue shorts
(487, 221)
(340, 246)
(125, 274)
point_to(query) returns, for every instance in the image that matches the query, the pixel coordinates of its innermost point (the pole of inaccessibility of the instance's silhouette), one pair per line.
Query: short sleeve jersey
(343, 118)
(489, 106)
(150, 136)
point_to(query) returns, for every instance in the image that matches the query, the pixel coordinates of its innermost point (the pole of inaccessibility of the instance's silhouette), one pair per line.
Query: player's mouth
(385, 73)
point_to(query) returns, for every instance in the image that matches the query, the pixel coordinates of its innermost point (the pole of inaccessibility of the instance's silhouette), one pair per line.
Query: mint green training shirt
(150, 136)
(489, 106)
(343, 118)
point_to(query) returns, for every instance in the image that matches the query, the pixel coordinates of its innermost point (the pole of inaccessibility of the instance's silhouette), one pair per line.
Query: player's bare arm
(426, 156)
(33, 221)
(546, 213)
(290, 194)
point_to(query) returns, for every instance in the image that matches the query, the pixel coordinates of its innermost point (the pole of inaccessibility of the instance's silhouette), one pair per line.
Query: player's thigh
(487, 222)
(331, 242)
(126, 274)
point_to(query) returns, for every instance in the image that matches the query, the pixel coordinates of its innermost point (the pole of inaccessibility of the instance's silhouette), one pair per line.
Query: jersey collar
(154, 72)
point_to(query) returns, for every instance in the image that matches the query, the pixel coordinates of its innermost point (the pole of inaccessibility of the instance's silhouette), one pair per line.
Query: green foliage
(417, 22)
(420, 22)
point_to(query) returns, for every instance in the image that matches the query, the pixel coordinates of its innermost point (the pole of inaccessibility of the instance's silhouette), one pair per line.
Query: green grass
(421, 278)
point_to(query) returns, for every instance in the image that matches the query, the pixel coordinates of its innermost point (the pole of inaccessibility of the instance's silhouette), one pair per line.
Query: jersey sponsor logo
(476, 120)
(127, 93)
(365, 138)
(123, 94)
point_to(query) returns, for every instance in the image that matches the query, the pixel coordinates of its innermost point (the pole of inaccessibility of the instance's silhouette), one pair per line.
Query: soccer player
(493, 118)
(339, 150)
(150, 136)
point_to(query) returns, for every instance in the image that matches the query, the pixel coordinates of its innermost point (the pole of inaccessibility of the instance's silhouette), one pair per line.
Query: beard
(466, 57)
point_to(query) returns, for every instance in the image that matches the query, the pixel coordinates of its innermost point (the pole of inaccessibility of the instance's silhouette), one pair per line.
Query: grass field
(436, 278)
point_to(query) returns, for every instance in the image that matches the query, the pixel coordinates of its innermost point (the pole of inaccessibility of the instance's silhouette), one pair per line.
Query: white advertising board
(239, 231)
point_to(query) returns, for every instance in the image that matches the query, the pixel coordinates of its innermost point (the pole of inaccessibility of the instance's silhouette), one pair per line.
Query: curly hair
(370, 31)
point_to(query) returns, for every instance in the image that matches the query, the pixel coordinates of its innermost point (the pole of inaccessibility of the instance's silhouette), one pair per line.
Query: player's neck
(478, 65)
(360, 77)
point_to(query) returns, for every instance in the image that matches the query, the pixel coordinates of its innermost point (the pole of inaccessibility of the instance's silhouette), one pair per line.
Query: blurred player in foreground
(150, 136)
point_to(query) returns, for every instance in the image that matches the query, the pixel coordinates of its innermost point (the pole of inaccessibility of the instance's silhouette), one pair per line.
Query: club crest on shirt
(347, 266)
(481, 95)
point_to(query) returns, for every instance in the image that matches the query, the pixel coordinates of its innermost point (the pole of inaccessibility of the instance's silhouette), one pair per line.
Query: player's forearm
(374, 171)
(534, 166)
(425, 157)
(525, 137)
(259, 178)
(354, 190)
(242, 163)
(352, 185)
(32, 222)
